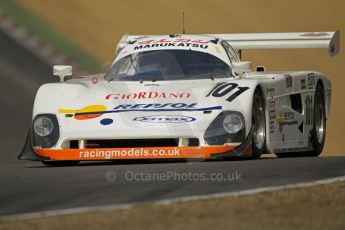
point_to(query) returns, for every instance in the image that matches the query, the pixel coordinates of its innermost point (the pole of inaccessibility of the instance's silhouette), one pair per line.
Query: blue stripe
(149, 110)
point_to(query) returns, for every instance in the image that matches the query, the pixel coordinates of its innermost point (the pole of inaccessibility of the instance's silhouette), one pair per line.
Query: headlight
(232, 123)
(43, 126)
(227, 127)
(46, 131)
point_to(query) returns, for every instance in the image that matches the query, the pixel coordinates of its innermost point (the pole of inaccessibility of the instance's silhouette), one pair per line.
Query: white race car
(184, 96)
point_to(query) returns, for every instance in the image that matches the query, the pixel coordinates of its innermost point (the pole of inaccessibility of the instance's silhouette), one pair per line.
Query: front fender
(50, 97)
(237, 96)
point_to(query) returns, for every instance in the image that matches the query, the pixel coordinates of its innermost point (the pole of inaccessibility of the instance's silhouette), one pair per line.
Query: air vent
(296, 102)
(134, 143)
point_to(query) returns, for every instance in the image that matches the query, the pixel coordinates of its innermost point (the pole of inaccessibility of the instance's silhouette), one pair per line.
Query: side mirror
(241, 67)
(260, 69)
(62, 71)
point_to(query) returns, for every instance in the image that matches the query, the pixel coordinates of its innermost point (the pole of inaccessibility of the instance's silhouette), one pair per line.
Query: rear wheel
(318, 132)
(259, 125)
(60, 163)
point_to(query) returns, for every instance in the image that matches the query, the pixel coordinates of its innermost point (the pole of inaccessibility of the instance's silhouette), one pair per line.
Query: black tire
(259, 125)
(318, 133)
(319, 118)
(60, 163)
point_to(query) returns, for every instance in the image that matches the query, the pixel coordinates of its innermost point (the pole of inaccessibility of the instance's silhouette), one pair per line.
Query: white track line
(89, 209)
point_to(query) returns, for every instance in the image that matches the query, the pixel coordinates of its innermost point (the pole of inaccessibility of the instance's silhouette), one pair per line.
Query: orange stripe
(134, 153)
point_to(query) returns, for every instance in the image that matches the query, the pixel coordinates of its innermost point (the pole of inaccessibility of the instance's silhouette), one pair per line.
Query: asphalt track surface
(21, 74)
(30, 186)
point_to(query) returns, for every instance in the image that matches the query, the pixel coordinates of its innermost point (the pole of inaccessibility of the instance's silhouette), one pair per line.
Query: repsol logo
(156, 106)
(165, 119)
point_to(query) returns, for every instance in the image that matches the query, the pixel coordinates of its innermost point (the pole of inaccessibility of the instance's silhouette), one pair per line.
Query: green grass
(47, 34)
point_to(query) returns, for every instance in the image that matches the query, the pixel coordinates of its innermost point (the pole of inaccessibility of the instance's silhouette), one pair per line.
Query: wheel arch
(261, 90)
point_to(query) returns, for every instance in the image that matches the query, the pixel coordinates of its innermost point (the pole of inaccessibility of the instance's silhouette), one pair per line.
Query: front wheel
(259, 125)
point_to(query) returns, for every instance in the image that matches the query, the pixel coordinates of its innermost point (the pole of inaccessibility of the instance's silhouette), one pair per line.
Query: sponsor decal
(106, 121)
(303, 84)
(286, 118)
(155, 106)
(188, 45)
(311, 81)
(231, 90)
(313, 34)
(87, 113)
(85, 110)
(165, 119)
(149, 95)
(95, 111)
(272, 115)
(272, 126)
(288, 80)
(130, 153)
(177, 40)
(288, 123)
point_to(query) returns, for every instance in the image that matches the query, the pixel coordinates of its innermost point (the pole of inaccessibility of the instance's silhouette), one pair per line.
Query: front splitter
(135, 153)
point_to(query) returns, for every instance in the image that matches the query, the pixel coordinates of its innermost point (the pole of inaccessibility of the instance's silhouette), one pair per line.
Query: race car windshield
(168, 65)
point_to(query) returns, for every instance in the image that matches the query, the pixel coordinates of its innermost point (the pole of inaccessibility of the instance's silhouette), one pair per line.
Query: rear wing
(329, 40)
